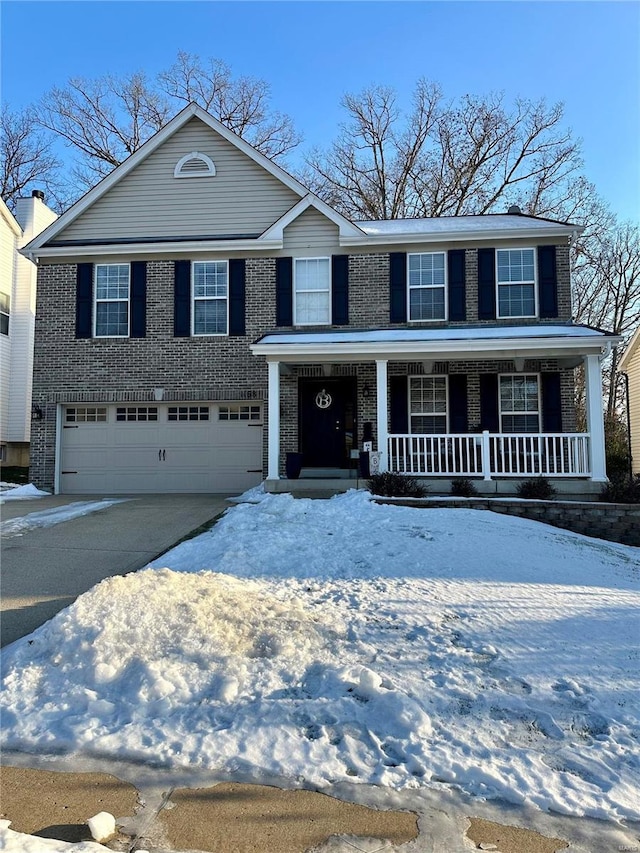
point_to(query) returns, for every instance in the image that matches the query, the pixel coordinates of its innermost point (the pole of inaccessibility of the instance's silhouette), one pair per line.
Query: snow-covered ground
(343, 641)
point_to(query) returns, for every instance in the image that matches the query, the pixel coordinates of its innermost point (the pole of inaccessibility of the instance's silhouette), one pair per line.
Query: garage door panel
(138, 435)
(86, 435)
(138, 456)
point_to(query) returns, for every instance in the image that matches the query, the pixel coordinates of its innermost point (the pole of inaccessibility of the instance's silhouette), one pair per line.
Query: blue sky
(586, 54)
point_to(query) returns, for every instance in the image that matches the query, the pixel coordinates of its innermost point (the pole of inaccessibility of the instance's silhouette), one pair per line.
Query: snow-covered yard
(342, 640)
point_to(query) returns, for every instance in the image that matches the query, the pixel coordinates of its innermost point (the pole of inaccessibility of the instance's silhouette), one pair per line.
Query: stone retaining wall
(615, 522)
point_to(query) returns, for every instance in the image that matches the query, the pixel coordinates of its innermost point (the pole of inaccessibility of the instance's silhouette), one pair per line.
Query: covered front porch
(497, 449)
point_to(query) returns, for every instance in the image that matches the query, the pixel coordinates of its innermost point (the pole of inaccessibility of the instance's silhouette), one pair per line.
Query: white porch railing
(491, 454)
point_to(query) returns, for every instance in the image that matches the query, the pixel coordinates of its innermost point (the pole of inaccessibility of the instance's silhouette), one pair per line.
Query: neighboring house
(201, 315)
(17, 314)
(630, 364)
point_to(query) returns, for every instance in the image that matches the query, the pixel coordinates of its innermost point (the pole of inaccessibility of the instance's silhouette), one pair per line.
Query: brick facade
(67, 369)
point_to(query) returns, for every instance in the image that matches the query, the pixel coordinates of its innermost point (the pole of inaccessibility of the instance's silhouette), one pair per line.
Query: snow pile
(17, 842)
(251, 496)
(102, 826)
(346, 641)
(50, 517)
(21, 493)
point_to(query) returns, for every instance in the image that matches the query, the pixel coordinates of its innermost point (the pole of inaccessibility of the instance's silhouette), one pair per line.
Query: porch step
(328, 474)
(314, 488)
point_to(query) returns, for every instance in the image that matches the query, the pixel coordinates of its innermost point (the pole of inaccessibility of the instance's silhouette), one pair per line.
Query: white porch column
(273, 467)
(595, 417)
(382, 417)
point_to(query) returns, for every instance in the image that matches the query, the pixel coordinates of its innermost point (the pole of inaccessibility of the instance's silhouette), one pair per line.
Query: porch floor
(325, 487)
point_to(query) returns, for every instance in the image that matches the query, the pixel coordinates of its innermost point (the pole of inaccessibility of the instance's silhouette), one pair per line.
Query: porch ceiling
(451, 344)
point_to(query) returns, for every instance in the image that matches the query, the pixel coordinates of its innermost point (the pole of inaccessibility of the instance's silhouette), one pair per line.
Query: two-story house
(201, 314)
(17, 318)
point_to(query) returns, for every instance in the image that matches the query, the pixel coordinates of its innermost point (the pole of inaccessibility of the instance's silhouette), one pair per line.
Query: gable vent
(194, 165)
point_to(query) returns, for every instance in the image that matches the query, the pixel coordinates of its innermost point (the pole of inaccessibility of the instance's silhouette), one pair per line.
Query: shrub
(622, 491)
(463, 488)
(538, 488)
(391, 485)
(618, 466)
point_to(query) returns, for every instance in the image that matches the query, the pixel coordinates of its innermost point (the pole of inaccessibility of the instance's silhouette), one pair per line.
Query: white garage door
(162, 447)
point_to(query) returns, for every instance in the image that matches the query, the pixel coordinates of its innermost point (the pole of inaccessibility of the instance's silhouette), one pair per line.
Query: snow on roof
(446, 224)
(462, 333)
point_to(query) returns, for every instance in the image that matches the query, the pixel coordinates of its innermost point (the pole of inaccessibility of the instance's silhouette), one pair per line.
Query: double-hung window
(312, 292)
(210, 297)
(5, 313)
(428, 404)
(427, 286)
(519, 403)
(112, 285)
(516, 282)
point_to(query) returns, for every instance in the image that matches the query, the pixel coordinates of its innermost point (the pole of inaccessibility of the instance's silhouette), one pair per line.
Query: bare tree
(607, 294)
(241, 104)
(103, 120)
(27, 160)
(106, 119)
(446, 158)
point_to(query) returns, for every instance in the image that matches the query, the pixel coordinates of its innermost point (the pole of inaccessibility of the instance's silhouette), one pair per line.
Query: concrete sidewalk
(233, 817)
(45, 569)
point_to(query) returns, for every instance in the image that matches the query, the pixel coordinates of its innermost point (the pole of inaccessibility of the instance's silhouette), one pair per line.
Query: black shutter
(340, 290)
(84, 300)
(457, 293)
(398, 286)
(284, 291)
(547, 281)
(551, 402)
(486, 284)
(138, 299)
(237, 297)
(182, 300)
(399, 404)
(458, 421)
(489, 412)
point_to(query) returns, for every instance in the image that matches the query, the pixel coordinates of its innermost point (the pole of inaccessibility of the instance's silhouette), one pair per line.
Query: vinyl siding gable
(311, 233)
(242, 198)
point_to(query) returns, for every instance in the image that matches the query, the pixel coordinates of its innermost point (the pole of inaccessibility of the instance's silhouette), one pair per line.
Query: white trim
(431, 376)
(57, 464)
(183, 247)
(94, 302)
(382, 413)
(595, 417)
(535, 283)
(10, 219)
(328, 291)
(538, 413)
(195, 155)
(346, 228)
(633, 345)
(195, 334)
(273, 415)
(445, 287)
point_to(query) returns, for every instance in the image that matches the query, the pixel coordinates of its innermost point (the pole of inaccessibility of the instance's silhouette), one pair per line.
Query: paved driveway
(45, 569)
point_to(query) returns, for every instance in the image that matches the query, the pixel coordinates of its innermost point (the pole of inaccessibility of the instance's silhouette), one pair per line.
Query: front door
(327, 422)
